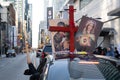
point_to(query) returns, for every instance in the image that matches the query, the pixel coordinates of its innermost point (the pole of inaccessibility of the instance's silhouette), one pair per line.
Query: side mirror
(27, 72)
(51, 62)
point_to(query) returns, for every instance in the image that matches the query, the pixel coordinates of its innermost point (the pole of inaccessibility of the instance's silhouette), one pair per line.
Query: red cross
(71, 29)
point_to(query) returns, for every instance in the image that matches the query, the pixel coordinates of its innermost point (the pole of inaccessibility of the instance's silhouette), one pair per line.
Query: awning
(107, 31)
(115, 12)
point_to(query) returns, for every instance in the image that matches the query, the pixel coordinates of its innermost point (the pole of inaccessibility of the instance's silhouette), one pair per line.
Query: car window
(13, 50)
(48, 49)
(9, 51)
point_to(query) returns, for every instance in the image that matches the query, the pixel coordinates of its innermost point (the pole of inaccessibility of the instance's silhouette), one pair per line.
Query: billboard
(49, 15)
(87, 34)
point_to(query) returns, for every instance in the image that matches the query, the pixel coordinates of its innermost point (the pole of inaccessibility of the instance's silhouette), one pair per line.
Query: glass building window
(83, 3)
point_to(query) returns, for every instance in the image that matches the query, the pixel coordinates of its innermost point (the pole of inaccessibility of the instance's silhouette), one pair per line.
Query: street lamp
(0, 41)
(13, 37)
(0, 36)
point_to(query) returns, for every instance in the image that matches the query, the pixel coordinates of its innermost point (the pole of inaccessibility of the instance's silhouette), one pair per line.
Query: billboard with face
(87, 34)
(49, 15)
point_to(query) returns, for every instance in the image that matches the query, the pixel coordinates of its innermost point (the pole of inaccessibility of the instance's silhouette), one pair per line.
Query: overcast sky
(38, 15)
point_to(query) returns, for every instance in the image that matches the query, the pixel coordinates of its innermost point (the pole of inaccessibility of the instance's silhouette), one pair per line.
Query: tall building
(29, 24)
(24, 19)
(57, 5)
(41, 34)
(10, 0)
(7, 25)
(43, 25)
(46, 4)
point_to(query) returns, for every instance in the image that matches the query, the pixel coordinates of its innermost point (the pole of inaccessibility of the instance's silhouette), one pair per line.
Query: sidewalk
(3, 56)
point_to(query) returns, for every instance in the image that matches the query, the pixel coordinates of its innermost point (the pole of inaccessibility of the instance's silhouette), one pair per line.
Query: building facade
(43, 31)
(16, 23)
(100, 9)
(106, 11)
(8, 26)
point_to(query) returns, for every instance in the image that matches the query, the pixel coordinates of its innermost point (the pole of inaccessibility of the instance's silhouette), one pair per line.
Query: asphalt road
(13, 68)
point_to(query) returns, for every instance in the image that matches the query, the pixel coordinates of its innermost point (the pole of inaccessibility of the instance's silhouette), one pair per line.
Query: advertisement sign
(49, 15)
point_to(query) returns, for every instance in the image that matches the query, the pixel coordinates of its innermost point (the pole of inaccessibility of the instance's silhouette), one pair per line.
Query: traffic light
(47, 39)
(20, 36)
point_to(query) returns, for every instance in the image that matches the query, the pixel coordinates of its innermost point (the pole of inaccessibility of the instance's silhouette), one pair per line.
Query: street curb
(3, 56)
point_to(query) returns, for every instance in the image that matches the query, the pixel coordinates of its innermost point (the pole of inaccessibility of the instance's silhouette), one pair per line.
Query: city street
(65, 39)
(13, 68)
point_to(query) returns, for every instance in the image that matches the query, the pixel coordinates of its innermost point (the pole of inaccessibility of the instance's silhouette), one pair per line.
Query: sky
(37, 16)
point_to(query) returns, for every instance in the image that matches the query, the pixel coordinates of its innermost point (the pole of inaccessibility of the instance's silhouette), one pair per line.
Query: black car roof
(64, 69)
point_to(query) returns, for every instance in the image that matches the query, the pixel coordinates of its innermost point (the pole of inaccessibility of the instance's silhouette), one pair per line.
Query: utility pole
(13, 37)
(0, 42)
(0, 37)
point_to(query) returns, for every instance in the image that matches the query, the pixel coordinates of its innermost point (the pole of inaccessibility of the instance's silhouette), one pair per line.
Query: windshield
(47, 49)
(11, 50)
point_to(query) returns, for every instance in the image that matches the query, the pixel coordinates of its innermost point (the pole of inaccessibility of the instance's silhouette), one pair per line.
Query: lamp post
(0, 42)
(0, 37)
(13, 37)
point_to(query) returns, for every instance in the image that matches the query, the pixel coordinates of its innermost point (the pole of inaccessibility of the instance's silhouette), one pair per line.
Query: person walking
(96, 51)
(117, 55)
(110, 52)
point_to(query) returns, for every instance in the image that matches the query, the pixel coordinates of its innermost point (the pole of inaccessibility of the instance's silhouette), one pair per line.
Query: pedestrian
(110, 52)
(104, 51)
(117, 55)
(96, 51)
(6, 48)
(118, 48)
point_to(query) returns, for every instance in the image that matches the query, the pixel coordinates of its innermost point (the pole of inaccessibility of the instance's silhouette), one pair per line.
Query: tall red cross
(71, 29)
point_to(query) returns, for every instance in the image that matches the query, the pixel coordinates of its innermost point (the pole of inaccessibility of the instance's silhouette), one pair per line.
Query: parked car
(47, 49)
(38, 53)
(66, 69)
(11, 52)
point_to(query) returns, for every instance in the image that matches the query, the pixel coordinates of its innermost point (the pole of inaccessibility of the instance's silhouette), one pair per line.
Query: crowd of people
(108, 51)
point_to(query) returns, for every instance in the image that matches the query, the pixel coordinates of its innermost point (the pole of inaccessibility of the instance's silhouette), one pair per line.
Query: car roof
(64, 69)
(55, 68)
